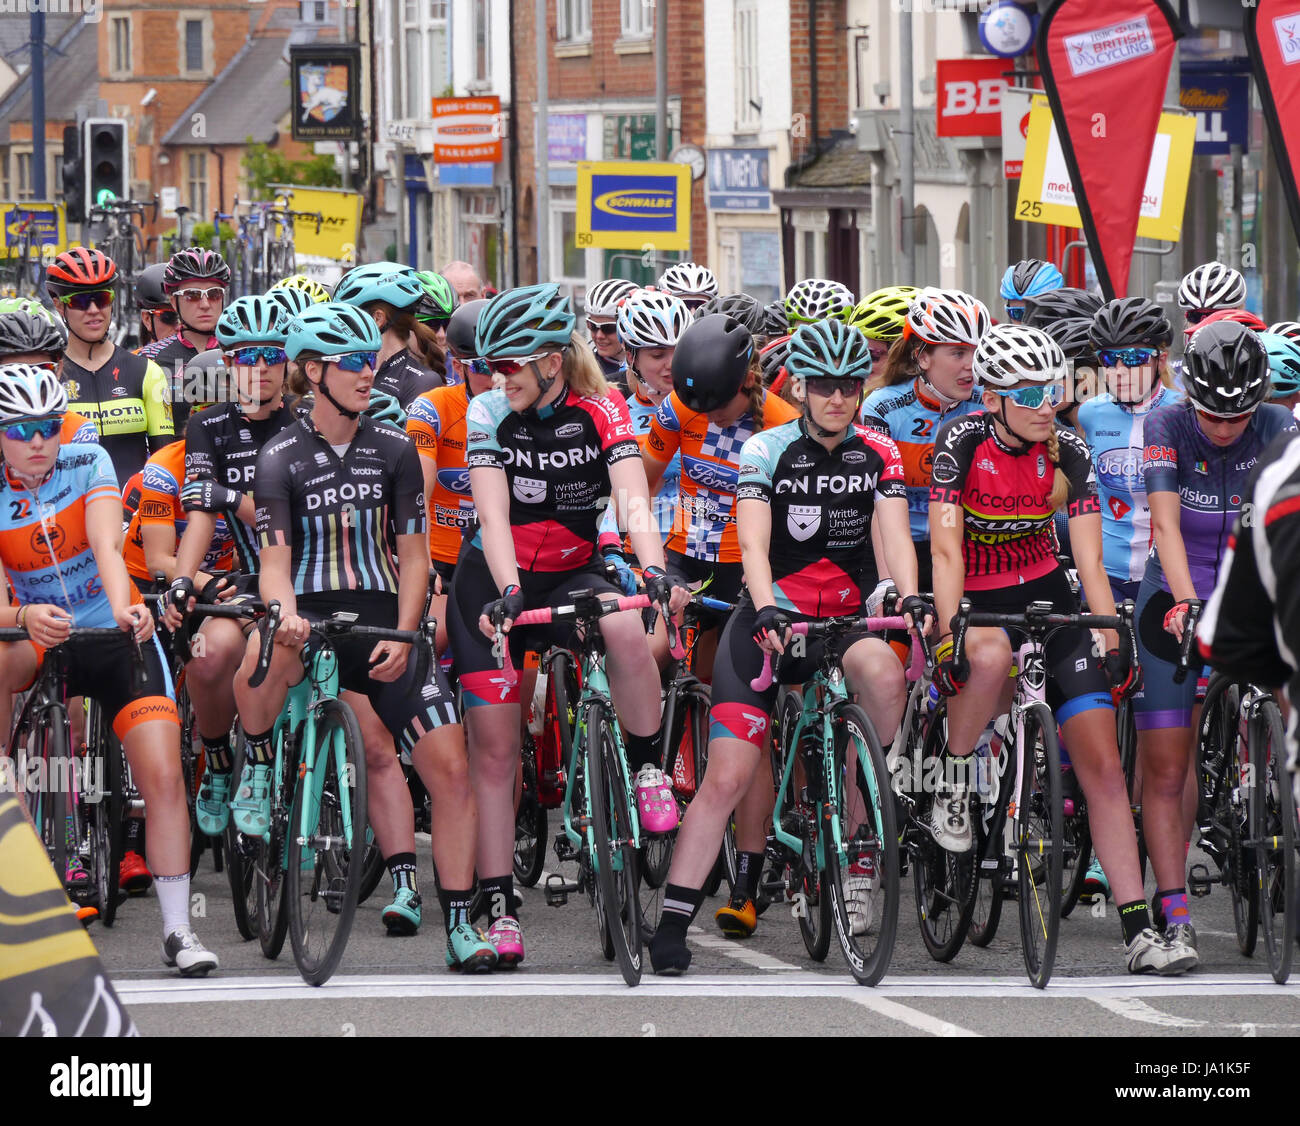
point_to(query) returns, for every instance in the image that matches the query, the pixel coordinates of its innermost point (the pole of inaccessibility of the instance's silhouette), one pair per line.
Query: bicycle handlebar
(1194, 608)
(834, 626)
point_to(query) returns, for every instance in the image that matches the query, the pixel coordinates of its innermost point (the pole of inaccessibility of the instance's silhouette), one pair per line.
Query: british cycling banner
(1105, 66)
(1273, 40)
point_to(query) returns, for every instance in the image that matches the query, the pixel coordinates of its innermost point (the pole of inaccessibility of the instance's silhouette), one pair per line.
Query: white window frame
(430, 27)
(115, 24)
(23, 188)
(815, 221)
(573, 21)
(748, 86)
(481, 20)
(636, 19)
(313, 11)
(198, 205)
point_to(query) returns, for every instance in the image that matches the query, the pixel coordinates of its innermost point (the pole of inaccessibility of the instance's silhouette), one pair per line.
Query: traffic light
(74, 175)
(106, 159)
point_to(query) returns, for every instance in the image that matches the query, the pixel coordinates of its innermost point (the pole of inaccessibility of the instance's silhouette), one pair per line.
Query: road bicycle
(126, 245)
(263, 250)
(24, 268)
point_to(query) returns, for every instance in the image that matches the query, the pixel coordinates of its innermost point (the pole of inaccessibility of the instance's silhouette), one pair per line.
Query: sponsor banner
(44, 223)
(970, 97)
(1273, 40)
(1221, 102)
(340, 222)
(624, 205)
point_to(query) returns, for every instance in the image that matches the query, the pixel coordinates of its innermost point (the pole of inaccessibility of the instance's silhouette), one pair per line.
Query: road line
(742, 953)
(1133, 1008)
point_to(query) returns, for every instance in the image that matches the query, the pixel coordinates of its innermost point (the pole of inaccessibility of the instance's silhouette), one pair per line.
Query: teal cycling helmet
(525, 321)
(439, 300)
(1029, 278)
(252, 320)
(331, 328)
(390, 282)
(1283, 364)
(828, 349)
(385, 408)
(293, 301)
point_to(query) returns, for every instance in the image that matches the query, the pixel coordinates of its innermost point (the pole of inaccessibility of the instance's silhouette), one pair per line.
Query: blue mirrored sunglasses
(248, 357)
(1034, 396)
(352, 361)
(1015, 312)
(1129, 357)
(26, 431)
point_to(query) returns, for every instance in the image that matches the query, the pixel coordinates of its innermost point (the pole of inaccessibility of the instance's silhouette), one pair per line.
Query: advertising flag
(1273, 40)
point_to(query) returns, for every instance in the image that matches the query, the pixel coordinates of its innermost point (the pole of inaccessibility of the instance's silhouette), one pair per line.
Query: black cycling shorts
(724, 582)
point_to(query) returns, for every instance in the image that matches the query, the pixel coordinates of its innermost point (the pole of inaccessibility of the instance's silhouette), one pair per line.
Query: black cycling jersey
(342, 516)
(172, 358)
(405, 378)
(222, 445)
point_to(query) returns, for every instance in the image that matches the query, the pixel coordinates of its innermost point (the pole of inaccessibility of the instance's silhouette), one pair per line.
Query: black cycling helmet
(773, 357)
(739, 306)
(710, 362)
(26, 333)
(775, 322)
(149, 295)
(1073, 334)
(1058, 304)
(462, 327)
(1129, 322)
(1225, 369)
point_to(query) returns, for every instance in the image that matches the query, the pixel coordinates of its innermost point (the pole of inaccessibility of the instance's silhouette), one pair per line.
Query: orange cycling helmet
(1241, 316)
(78, 270)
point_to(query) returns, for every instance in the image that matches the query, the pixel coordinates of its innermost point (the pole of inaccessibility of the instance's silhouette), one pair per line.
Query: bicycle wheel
(615, 856)
(530, 823)
(44, 748)
(270, 855)
(1075, 859)
(322, 881)
(1039, 844)
(104, 794)
(862, 816)
(1273, 832)
(192, 767)
(239, 863)
(1126, 738)
(372, 867)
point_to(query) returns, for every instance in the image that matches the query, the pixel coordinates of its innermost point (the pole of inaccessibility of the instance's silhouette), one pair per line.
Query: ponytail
(581, 370)
(757, 396)
(1060, 482)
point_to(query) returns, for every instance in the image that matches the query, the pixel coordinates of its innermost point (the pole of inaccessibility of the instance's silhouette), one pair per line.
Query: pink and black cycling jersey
(557, 462)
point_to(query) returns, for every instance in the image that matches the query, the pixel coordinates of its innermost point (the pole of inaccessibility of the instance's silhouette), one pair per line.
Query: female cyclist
(1002, 557)
(1209, 288)
(817, 299)
(1284, 369)
(882, 316)
(603, 301)
(692, 283)
(1026, 280)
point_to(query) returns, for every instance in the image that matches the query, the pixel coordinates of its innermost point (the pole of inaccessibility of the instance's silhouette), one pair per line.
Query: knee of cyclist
(990, 656)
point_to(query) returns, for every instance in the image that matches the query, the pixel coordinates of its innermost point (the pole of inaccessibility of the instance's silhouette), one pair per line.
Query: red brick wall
(832, 70)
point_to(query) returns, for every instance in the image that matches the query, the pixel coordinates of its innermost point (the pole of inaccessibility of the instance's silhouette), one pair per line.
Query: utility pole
(906, 150)
(543, 212)
(38, 104)
(661, 79)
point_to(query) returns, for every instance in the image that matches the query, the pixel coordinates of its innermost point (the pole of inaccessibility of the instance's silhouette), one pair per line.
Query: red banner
(1105, 66)
(970, 96)
(1273, 39)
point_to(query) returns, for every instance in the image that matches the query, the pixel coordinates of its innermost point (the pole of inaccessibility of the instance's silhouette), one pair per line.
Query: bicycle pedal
(564, 849)
(1199, 882)
(556, 891)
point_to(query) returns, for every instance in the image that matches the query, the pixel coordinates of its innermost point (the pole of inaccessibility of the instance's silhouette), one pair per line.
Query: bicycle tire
(109, 812)
(1126, 738)
(239, 866)
(1039, 836)
(192, 769)
(530, 822)
(271, 856)
(372, 868)
(1273, 829)
(614, 854)
(876, 837)
(991, 890)
(51, 799)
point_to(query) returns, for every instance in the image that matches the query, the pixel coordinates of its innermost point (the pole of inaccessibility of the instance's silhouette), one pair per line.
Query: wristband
(944, 649)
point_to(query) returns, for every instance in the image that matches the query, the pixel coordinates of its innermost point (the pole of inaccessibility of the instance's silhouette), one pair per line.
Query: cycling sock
(455, 907)
(259, 749)
(642, 750)
(174, 901)
(959, 770)
(499, 895)
(401, 866)
(680, 905)
(217, 752)
(1173, 906)
(133, 838)
(1134, 917)
(749, 865)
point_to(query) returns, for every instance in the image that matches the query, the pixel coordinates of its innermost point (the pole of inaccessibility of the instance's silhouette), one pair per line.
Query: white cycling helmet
(652, 319)
(27, 391)
(1212, 285)
(689, 280)
(947, 316)
(604, 298)
(818, 299)
(1289, 329)
(1010, 353)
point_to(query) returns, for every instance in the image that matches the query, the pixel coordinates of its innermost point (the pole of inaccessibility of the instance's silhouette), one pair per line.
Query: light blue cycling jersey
(1114, 434)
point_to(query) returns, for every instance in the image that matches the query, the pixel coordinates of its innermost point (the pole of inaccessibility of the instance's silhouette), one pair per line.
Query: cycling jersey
(77, 429)
(153, 496)
(150, 351)
(436, 423)
(556, 461)
(1007, 526)
(222, 444)
(664, 503)
(822, 502)
(911, 415)
(1113, 432)
(176, 352)
(1210, 481)
(340, 515)
(704, 525)
(127, 398)
(405, 378)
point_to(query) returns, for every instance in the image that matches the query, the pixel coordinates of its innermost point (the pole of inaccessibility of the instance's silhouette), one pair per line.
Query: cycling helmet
(78, 270)
(739, 306)
(27, 305)
(1057, 304)
(1029, 278)
(252, 320)
(881, 315)
(390, 282)
(1241, 316)
(331, 328)
(652, 319)
(604, 298)
(461, 329)
(1283, 363)
(1226, 369)
(1073, 334)
(689, 279)
(1289, 329)
(1011, 353)
(773, 357)
(206, 371)
(946, 316)
(149, 293)
(775, 322)
(303, 284)
(1131, 322)
(525, 321)
(815, 299)
(192, 264)
(22, 333)
(385, 408)
(27, 391)
(710, 363)
(828, 349)
(292, 301)
(439, 300)
(1212, 285)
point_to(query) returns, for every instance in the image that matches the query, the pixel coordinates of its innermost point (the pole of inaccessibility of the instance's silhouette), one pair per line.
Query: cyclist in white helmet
(1209, 287)
(602, 302)
(693, 283)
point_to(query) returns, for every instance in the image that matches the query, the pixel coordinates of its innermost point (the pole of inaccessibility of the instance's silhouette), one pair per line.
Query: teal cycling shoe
(402, 916)
(469, 950)
(1095, 883)
(251, 805)
(212, 806)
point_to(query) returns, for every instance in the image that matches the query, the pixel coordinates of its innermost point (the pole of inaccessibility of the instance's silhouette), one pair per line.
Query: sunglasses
(825, 386)
(248, 357)
(513, 364)
(214, 294)
(477, 366)
(1015, 312)
(26, 431)
(1129, 357)
(167, 316)
(1035, 396)
(1207, 416)
(99, 299)
(608, 328)
(1196, 316)
(352, 361)
(436, 323)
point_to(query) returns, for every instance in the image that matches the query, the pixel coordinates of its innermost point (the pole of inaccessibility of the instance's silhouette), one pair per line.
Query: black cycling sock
(1134, 917)
(642, 750)
(133, 840)
(455, 907)
(401, 866)
(259, 749)
(498, 895)
(749, 866)
(217, 752)
(680, 905)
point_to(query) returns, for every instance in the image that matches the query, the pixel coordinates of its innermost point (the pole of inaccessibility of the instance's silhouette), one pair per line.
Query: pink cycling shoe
(655, 804)
(508, 938)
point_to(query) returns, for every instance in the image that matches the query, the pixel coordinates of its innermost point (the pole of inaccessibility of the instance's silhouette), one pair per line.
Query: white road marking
(739, 951)
(1133, 1008)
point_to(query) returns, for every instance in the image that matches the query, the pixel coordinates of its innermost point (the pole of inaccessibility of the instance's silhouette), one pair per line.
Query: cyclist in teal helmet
(1283, 367)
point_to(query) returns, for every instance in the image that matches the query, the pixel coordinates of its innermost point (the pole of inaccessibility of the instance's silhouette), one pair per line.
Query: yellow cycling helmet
(881, 315)
(309, 286)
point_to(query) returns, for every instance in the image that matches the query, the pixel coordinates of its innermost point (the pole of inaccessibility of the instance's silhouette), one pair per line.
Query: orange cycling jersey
(77, 428)
(435, 421)
(704, 526)
(153, 496)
